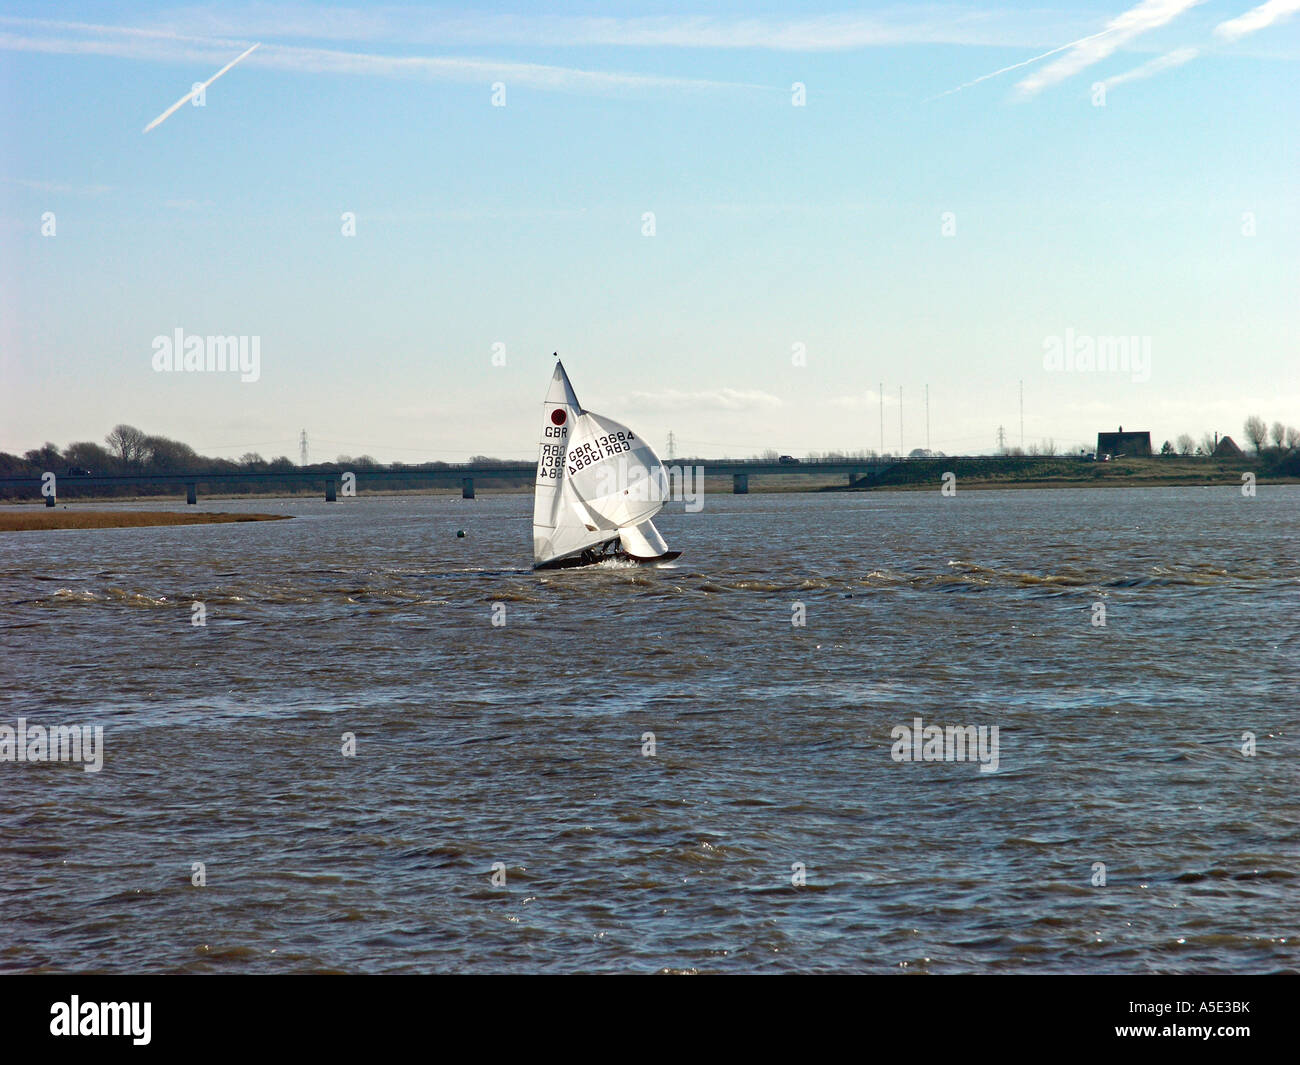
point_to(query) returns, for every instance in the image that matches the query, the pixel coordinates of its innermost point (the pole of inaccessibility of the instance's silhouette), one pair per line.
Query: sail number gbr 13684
(602, 447)
(551, 464)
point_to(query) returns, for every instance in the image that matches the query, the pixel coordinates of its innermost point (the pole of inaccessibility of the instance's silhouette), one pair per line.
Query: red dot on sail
(558, 416)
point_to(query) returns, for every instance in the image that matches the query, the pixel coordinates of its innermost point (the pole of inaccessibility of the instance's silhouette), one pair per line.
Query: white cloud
(57, 188)
(869, 400)
(724, 399)
(1232, 30)
(931, 24)
(1257, 19)
(1123, 28)
(483, 71)
(1165, 62)
(169, 47)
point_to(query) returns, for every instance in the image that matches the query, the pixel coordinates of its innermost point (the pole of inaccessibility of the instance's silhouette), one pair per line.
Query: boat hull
(594, 556)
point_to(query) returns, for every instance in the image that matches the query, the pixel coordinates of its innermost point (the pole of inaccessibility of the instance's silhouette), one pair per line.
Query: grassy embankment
(57, 518)
(1067, 472)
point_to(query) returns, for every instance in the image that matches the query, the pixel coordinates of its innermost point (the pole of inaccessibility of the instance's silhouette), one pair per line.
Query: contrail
(194, 92)
(1141, 18)
(1155, 66)
(1023, 63)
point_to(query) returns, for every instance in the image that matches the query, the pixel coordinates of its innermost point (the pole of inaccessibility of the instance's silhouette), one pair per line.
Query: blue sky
(1167, 213)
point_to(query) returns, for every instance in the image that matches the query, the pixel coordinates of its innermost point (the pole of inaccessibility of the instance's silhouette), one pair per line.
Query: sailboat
(598, 485)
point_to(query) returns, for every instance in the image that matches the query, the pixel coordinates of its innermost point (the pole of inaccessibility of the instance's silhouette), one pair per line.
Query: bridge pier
(331, 491)
(740, 484)
(49, 501)
(467, 488)
(191, 493)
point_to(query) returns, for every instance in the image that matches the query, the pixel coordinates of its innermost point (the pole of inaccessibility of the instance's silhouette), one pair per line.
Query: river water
(766, 825)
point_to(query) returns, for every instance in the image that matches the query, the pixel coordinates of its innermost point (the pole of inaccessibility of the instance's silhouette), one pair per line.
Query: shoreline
(52, 518)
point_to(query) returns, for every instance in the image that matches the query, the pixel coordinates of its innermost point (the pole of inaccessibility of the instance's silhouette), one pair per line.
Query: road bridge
(465, 476)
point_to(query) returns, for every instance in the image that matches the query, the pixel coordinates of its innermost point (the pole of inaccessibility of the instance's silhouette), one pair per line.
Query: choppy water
(522, 743)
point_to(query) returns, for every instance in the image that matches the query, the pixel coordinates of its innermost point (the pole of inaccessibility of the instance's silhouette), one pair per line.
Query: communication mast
(302, 448)
(927, 419)
(1002, 441)
(672, 446)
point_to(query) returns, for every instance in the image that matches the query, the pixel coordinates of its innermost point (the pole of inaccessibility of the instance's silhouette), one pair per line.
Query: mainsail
(597, 482)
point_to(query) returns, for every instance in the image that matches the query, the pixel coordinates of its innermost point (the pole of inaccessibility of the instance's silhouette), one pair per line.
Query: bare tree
(1256, 432)
(1186, 445)
(1208, 443)
(1278, 434)
(1292, 437)
(129, 443)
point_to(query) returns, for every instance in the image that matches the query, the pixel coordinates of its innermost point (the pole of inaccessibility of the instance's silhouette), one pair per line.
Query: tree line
(127, 450)
(1269, 441)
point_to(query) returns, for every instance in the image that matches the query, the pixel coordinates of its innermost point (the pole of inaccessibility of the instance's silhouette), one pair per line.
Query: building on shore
(1122, 443)
(1227, 448)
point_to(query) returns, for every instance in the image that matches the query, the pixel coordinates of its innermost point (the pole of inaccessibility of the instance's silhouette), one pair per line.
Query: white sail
(643, 541)
(562, 525)
(613, 471)
(597, 481)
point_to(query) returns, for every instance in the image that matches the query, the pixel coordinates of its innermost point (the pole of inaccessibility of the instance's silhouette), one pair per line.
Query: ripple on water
(669, 771)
